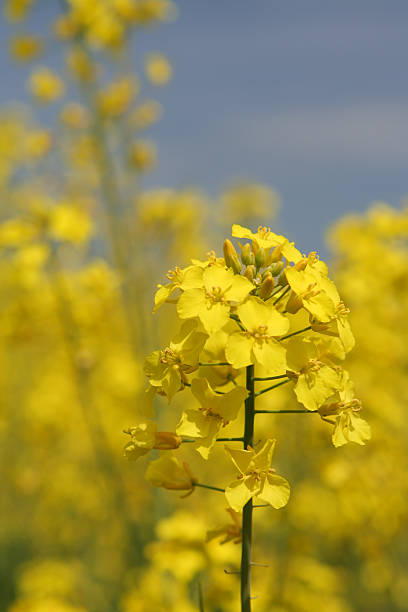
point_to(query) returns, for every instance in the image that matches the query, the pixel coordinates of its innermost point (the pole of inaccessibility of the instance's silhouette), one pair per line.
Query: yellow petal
(190, 303)
(194, 424)
(214, 316)
(276, 491)
(241, 491)
(238, 350)
(239, 289)
(263, 457)
(240, 458)
(272, 355)
(162, 294)
(230, 403)
(215, 276)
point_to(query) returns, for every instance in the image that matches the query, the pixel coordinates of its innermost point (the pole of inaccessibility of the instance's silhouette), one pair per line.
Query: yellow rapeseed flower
(212, 302)
(26, 47)
(214, 412)
(256, 478)
(258, 343)
(46, 86)
(158, 69)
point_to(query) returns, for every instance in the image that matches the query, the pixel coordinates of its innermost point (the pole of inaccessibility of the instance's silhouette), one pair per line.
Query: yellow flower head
(343, 413)
(266, 239)
(257, 343)
(316, 377)
(256, 478)
(214, 412)
(180, 278)
(167, 368)
(212, 302)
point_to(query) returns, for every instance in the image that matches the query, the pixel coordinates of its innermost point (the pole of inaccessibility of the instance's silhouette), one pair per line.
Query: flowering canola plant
(268, 315)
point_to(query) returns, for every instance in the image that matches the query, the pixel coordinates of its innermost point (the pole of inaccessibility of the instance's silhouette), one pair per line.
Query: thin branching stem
(270, 377)
(282, 295)
(300, 331)
(220, 363)
(204, 486)
(300, 411)
(284, 382)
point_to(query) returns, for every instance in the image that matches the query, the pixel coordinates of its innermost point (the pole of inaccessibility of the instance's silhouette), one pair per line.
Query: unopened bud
(260, 257)
(266, 288)
(247, 255)
(250, 273)
(166, 440)
(266, 272)
(282, 280)
(231, 257)
(293, 304)
(276, 268)
(276, 254)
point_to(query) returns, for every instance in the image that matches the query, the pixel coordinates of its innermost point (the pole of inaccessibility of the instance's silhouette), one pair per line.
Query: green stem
(230, 439)
(284, 382)
(300, 331)
(203, 486)
(235, 318)
(285, 411)
(270, 377)
(247, 510)
(282, 295)
(220, 363)
(232, 379)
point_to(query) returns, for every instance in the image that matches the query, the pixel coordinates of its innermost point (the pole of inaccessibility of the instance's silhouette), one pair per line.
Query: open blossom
(180, 278)
(343, 413)
(256, 478)
(167, 368)
(257, 342)
(211, 303)
(264, 238)
(214, 412)
(316, 378)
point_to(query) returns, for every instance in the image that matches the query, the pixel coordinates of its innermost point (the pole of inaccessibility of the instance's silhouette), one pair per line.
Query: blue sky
(308, 96)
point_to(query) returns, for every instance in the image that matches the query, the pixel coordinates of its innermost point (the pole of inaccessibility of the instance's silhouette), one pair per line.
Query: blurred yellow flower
(158, 69)
(26, 47)
(16, 10)
(71, 223)
(146, 114)
(142, 155)
(169, 473)
(46, 85)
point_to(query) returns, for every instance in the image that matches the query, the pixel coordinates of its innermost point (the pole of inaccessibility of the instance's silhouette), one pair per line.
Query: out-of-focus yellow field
(83, 247)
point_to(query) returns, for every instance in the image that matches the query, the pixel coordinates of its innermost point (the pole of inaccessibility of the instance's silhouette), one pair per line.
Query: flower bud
(282, 280)
(231, 257)
(276, 254)
(166, 440)
(247, 256)
(266, 288)
(260, 257)
(250, 273)
(293, 304)
(276, 268)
